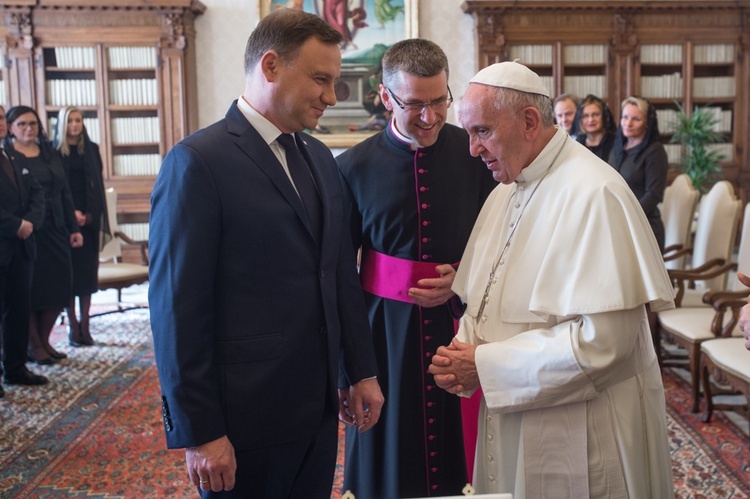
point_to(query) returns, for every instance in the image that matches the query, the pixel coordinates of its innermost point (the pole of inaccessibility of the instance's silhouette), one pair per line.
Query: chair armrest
(675, 251)
(721, 303)
(706, 271)
(143, 245)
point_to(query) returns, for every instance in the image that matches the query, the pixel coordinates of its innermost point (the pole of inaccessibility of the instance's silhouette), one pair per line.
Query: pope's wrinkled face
(496, 135)
(419, 105)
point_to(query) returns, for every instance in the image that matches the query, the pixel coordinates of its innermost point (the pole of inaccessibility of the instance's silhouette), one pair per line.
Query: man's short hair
(414, 56)
(564, 97)
(285, 31)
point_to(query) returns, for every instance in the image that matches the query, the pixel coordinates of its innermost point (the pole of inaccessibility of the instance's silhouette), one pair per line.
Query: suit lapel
(257, 151)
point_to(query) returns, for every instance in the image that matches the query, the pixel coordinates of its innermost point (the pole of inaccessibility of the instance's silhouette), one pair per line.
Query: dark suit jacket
(249, 315)
(26, 203)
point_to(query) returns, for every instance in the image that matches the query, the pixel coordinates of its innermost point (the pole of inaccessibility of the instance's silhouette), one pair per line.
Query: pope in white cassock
(556, 277)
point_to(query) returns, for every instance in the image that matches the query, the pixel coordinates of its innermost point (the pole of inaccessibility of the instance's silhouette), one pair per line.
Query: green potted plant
(696, 131)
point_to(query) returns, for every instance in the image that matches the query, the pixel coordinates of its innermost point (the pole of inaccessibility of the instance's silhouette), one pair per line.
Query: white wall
(222, 31)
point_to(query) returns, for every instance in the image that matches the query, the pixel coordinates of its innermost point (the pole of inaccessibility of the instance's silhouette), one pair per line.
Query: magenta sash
(391, 277)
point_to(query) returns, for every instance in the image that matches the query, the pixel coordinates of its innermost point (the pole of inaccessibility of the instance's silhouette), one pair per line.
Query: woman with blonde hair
(641, 159)
(83, 167)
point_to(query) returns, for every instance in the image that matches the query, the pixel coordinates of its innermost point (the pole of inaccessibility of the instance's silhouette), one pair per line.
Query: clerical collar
(413, 145)
(539, 166)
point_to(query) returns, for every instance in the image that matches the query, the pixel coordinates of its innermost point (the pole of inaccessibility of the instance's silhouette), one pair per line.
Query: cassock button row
(426, 257)
(425, 223)
(427, 338)
(434, 487)
(434, 470)
(491, 458)
(490, 437)
(427, 321)
(426, 239)
(425, 206)
(421, 170)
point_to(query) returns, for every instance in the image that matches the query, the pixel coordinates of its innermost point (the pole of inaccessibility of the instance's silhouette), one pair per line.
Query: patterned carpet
(96, 432)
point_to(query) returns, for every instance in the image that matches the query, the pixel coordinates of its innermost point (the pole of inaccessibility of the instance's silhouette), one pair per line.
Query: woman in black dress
(27, 145)
(594, 126)
(641, 159)
(83, 167)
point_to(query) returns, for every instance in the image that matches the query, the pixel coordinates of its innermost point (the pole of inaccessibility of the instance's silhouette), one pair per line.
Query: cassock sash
(391, 277)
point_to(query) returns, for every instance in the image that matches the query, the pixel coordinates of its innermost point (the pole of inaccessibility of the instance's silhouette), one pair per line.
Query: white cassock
(573, 399)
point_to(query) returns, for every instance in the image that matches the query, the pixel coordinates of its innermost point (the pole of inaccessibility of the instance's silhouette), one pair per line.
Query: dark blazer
(26, 203)
(250, 316)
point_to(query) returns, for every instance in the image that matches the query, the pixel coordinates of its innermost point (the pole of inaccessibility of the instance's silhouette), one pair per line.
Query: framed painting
(369, 27)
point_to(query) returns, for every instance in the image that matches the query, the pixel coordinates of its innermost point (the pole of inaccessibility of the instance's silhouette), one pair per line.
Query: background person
(641, 159)
(83, 167)
(254, 293)
(55, 236)
(573, 400)
(595, 127)
(21, 211)
(565, 106)
(414, 192)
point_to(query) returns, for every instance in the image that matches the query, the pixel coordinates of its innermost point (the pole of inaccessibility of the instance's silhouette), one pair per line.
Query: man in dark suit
(21, 210)
(254, 293)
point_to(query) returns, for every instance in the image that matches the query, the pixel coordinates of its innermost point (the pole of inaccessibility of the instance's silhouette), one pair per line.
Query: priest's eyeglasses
(419, 107)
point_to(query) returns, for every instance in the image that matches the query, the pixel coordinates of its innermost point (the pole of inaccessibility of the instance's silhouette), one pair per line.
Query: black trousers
(15, 309)
(296, 469)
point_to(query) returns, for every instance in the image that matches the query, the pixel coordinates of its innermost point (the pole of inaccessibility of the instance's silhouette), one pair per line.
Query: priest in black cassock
(414, 192)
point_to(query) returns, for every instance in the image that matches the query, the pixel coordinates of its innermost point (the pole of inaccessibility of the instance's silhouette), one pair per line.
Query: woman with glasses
(27, 145)
(594, 126)
(83, 166)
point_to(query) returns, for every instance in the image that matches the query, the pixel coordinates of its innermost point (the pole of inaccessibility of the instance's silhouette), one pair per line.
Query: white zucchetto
(511, 75)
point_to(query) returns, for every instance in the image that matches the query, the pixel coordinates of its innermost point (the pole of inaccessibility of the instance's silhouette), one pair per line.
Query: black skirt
(86, 263)
(53, 276)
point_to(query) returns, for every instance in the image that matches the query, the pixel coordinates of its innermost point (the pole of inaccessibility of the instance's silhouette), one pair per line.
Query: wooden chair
(712, 247)
(677, 213)
(114, 274)
(726, 362)
(688, 326)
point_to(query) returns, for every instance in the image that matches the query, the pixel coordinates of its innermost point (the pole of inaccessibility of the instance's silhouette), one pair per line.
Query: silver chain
(486, 296)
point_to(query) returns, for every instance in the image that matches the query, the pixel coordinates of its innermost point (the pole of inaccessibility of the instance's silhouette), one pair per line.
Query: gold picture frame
(368, 27)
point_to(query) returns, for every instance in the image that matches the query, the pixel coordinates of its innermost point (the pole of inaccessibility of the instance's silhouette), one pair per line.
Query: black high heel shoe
(56, 355)
(42, 362)
(72, 342)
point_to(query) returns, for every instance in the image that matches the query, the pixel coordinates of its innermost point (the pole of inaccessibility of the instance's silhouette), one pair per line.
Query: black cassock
(421, 206)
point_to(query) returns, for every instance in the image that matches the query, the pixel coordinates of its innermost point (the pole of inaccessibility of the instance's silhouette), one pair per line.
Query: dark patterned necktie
(303, 181)
(8, 169)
